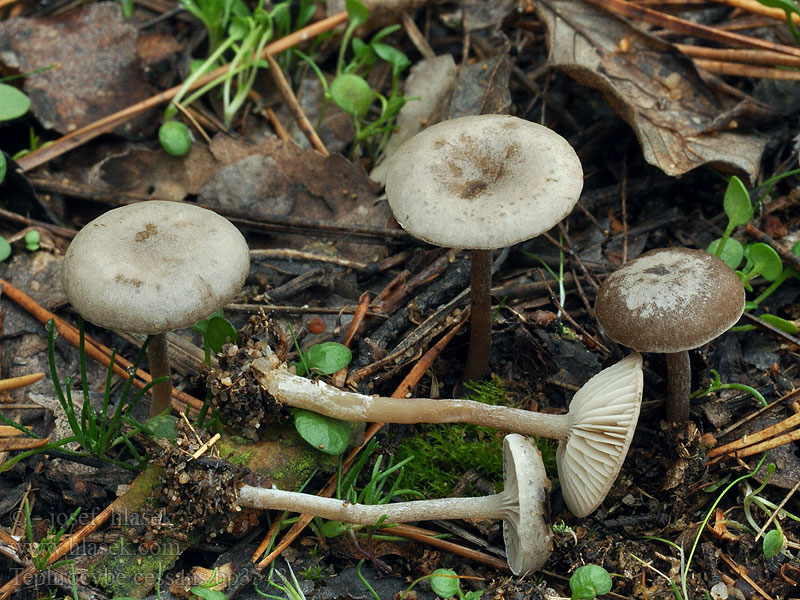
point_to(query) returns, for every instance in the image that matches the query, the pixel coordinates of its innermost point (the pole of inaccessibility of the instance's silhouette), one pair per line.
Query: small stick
(780, 440)
(736, 55)
(293, 105)
(358, 318)
(14, 383)
(753, 6)
(753, 438)
(744, 70)
(774, 514)
(204, 448)
(686, 27)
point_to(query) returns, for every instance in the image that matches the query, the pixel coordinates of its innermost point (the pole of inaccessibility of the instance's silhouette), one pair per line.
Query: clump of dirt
(200, 493)
(235, 392)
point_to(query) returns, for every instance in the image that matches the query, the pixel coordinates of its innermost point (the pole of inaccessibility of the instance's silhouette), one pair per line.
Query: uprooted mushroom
(593, 436)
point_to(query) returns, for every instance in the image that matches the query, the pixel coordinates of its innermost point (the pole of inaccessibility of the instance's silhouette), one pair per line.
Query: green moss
(444, 453)
(124, 572)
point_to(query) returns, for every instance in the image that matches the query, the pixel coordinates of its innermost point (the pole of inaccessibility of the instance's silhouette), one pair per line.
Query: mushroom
(670, 300)
(523, 505)
(152, 267)
(482, 183)
(593, 436)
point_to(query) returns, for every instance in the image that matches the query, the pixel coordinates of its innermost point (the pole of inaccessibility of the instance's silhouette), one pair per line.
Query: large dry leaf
(650, 85)
(90, 62)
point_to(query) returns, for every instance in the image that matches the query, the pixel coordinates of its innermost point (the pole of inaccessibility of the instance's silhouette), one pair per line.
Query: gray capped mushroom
(152, 267)
(670, 300)
(593, 436)
(482, 183)
(523, 505)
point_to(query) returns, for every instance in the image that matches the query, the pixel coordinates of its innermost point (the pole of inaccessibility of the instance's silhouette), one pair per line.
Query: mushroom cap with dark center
(154, 266)
(483, 182)
(527, 532)
(670, 300)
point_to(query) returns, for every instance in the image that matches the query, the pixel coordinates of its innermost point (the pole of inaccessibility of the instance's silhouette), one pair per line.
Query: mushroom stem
(158, 360)
(480, 337)
(496, 506)
(320, 397)
(679, 384)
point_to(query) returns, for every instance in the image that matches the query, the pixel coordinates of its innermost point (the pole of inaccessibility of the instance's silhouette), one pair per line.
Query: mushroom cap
(604, 414)
(527, 532)
(669, 300)
(483, 182)
(154, 266)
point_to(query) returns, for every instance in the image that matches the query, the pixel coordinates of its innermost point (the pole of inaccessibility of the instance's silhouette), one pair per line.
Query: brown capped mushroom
(523, 505)
(670, 300)
(482, 183)
(152, 267)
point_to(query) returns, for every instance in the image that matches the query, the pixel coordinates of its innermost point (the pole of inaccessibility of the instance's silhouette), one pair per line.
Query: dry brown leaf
(94, 66)
(651, 86)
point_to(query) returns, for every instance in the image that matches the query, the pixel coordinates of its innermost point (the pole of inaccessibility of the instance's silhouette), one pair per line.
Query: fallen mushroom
(523, 505)
(152, 267)
(670, 300)
(482, 183)
(593, 436)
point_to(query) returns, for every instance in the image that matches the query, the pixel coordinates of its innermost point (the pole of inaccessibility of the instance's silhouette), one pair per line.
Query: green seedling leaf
(3, 167)
(207, 593)
(175, 138)
(32, 239)
(444, 583)
(766, 261)
(782, 324)
(327, 435)
(357, 13)
(326, 358)
(5, 249)
(772, 543)
(352, 94)
(13, 103)
(219, 331)
(737, 203)
(240, 27)
(332, 529)
(732, 252)
(589, 581)
(163, 426)
(392, 55)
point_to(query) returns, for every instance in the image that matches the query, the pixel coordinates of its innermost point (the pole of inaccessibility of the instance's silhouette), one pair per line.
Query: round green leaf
(392, 55)
(13, 103)
(5, 249)
(32, 239)
(589, 581)
(737, 202)
(766, 261)
(328, 357)
(782, 324)
(772, 543)
(444, 583)
(357, 13)
(327, 435)
(163, 426)
(175, 138)
(3, 167)
(219, 331)
(732, 251)
(352, 94)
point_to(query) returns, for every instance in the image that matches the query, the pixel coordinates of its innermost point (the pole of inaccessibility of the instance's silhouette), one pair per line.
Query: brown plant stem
(679, 383)
(480, 333)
